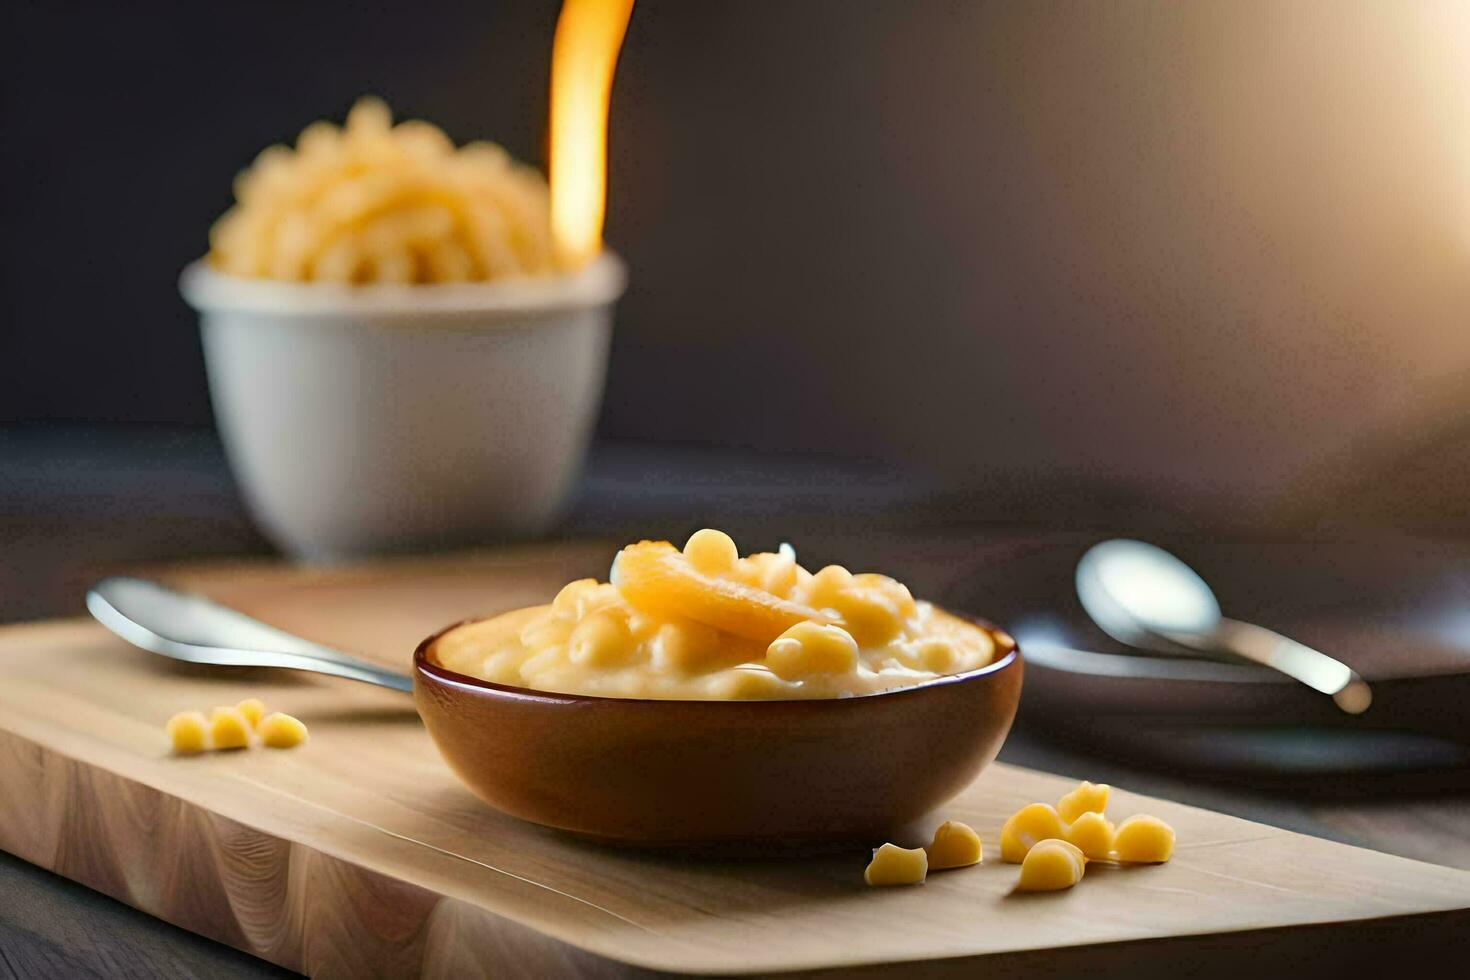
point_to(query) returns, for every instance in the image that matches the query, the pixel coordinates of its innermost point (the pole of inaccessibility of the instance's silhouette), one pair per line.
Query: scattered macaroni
(1027, 826)
(894, 865)
(281, 731)
(188, 732)
(1052, 865)
(1086, 798)
(1092, 833)
(1078, 820)
(253, 709)
(955, 845)
(1052, 851)
(1144, 840)
(228, 729)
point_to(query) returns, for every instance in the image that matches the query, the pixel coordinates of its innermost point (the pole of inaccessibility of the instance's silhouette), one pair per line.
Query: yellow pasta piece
(1027, 826)
(655, 577)
(1093, 834)
(894, 590)
(253, 709)
(868, 614)
(811, 648)
(188, 732)
(546, 631)
(711, 552)
(567, 601)
(748, 682)
(687, 647)
(1144, 840)
(1052, 865)
(935, 654)
(281, 731)
(955, 845)
(894, 865)
(601, 640)
(228, 729)
(1086, 798)
(776, 574)
(825, 585)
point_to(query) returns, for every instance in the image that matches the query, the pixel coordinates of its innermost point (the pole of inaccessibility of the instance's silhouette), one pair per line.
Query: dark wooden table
(80, 503)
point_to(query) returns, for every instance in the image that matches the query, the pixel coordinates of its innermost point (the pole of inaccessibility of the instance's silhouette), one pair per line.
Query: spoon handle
(191, 628)
(1312, 667)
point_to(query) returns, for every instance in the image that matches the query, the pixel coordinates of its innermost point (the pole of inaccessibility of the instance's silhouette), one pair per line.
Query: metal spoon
(191, 628)
(1145, 597)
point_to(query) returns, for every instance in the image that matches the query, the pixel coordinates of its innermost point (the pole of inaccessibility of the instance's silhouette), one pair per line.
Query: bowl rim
(599, 283)
(441, 674)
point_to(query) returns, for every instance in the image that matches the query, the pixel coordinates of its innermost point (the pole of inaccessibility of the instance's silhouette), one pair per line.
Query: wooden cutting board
(359, 853)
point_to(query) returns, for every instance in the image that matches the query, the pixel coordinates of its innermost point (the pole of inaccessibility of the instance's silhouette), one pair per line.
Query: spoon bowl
(1145, 597)
(1140, 594)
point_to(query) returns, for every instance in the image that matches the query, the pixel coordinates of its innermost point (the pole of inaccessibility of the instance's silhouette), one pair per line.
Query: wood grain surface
(359, 854)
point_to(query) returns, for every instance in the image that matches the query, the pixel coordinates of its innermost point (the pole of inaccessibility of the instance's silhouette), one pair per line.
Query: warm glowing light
(583, 56)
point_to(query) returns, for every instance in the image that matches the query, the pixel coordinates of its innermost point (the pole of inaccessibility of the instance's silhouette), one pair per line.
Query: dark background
(1217, 254)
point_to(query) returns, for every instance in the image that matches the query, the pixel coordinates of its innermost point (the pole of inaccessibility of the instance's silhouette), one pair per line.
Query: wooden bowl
(697, 773)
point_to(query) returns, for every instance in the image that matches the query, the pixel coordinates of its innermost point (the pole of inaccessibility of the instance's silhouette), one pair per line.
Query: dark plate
(1396, 610)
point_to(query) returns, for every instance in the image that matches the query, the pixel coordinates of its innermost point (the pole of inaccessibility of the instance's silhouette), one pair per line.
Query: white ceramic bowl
(370, 419)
